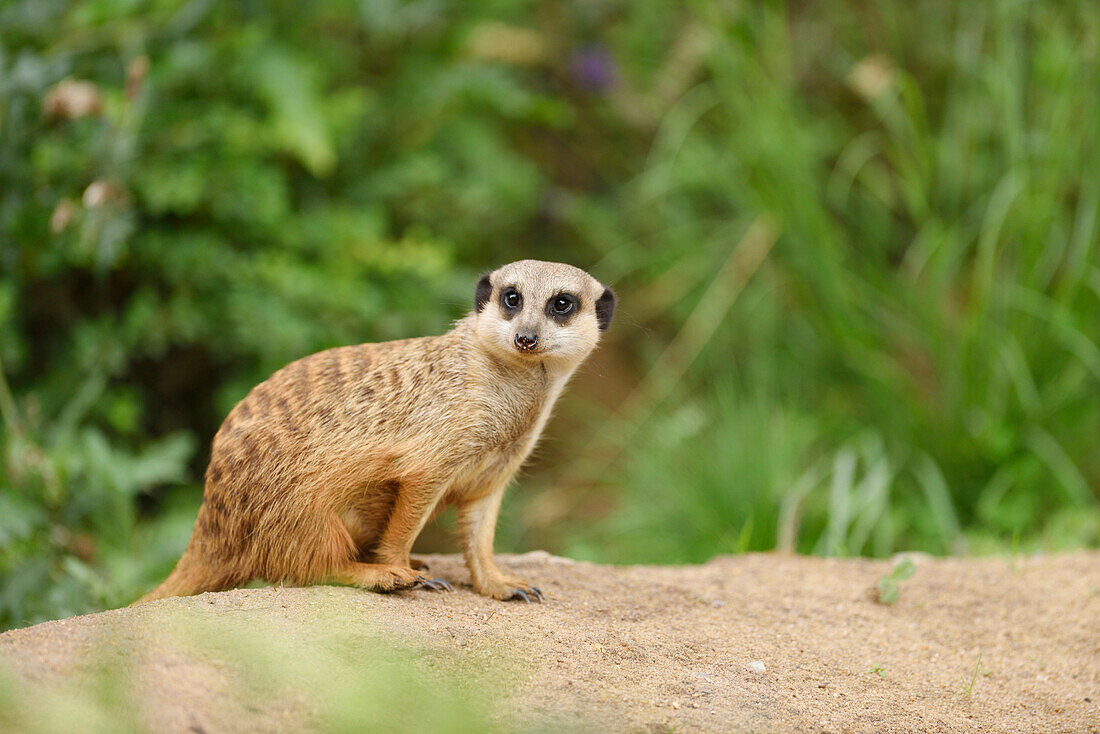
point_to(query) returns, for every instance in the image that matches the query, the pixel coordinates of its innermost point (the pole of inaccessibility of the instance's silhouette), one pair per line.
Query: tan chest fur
(515, 415)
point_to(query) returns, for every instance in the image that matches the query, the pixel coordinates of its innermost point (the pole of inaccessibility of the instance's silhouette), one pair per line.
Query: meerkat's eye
(511, 299)
(561, 305)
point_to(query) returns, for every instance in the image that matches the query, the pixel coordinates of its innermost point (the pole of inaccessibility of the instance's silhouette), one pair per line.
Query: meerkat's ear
(484, 290)
(605, 309)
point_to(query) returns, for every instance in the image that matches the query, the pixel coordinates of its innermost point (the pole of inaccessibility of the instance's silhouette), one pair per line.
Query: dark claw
(538, 594)
(436, 585)
(518, 594)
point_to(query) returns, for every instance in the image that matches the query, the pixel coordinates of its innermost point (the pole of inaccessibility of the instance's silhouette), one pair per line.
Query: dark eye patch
(510, 302)
(562, 307)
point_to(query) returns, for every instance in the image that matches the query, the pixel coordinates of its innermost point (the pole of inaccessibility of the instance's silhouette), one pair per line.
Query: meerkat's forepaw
(513, 590)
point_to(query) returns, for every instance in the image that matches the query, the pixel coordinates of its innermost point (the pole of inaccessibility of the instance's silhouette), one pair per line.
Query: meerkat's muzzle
(526, 342)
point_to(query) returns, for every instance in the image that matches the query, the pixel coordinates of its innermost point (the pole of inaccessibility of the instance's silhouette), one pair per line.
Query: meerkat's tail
(190, 576)
(174, 585)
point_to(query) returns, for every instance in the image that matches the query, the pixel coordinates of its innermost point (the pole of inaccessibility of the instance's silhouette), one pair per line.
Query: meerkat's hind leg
(376, 576)
(331, 556)
(367, 556)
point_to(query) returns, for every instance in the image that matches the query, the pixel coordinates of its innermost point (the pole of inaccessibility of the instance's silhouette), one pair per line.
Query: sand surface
(755, 643)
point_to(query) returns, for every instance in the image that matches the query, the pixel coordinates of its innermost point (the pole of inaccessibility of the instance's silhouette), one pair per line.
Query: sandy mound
(750, 643)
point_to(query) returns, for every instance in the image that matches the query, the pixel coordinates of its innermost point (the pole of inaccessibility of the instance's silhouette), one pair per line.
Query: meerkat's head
(532, 310)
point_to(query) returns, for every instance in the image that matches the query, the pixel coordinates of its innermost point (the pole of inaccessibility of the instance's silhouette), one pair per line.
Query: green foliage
(922, 336)
(323, 673)
(966, 690)
(911, 362)
(889, 586)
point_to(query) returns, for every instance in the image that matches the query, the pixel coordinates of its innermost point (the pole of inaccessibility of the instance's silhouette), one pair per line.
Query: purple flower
(593, 68)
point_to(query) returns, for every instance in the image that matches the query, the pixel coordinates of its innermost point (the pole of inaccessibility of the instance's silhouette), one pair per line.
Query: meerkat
(328, 471)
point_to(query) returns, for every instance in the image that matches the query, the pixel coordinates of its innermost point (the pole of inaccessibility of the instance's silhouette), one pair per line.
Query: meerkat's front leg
(478, 520)
(411, 511)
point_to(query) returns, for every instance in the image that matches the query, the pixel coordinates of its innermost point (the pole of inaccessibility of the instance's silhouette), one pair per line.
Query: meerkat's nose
(526, 342)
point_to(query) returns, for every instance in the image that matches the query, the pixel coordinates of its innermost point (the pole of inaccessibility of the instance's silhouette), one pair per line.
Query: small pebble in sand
(757, 666)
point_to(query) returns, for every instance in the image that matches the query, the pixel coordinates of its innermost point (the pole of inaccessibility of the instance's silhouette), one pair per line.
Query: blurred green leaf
(889, 586)
(290, 91)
